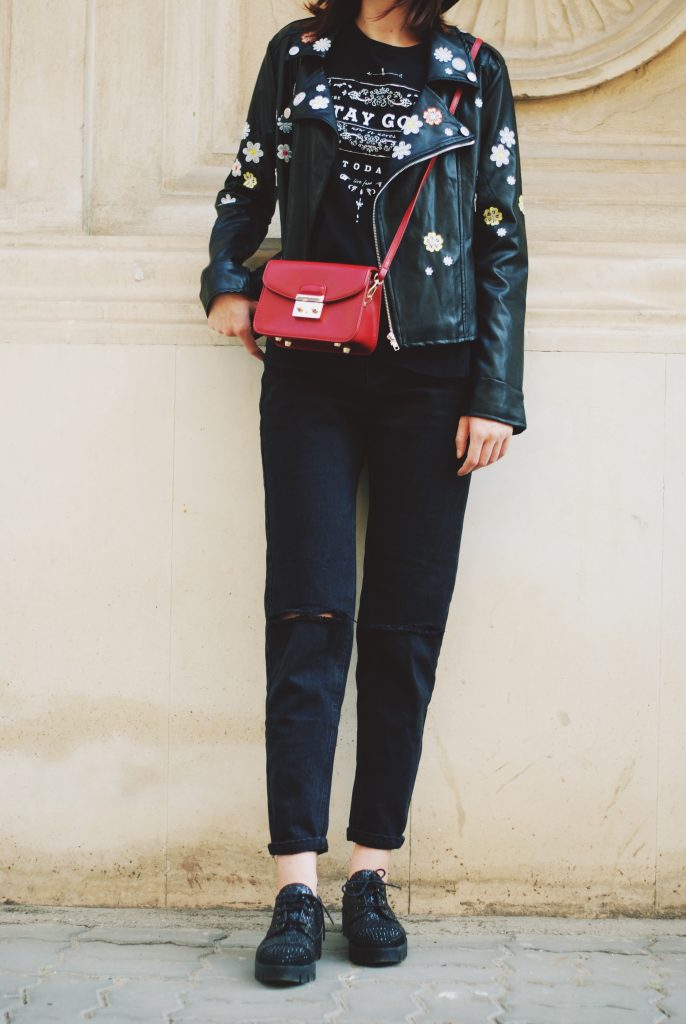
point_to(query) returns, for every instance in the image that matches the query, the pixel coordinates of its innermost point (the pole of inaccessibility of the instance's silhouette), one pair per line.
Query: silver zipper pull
(394, 341)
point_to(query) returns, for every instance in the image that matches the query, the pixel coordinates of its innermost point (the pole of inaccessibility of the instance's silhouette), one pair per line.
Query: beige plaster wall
(131, 530)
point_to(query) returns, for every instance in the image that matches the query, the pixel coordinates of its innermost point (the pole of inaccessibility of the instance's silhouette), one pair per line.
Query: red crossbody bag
(330, 306)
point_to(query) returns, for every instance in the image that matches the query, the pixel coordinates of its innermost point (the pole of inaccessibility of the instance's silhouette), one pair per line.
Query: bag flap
(335, 281)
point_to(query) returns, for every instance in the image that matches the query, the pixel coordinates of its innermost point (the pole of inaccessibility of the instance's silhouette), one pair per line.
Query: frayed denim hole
(310, 615)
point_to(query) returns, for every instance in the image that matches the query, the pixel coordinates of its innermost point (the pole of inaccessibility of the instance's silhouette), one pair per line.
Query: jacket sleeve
(501, 259)
(245, 204)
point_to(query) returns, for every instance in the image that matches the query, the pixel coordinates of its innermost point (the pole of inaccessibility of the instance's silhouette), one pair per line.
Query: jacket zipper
(427, 156)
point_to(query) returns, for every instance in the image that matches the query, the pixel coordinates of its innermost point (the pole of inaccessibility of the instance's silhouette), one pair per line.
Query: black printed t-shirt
(372, 85)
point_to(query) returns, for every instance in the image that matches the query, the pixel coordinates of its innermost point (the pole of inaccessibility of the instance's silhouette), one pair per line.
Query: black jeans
(321, 417)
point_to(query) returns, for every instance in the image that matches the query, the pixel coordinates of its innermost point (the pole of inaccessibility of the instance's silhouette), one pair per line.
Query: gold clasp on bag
(372, 288)
(308, 306)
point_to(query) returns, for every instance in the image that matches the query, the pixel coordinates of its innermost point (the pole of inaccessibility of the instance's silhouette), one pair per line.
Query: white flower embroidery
(227, 199)
(449, 131)
(293, 50)
(448, 71)
(521, 203)
(401, 150)
(297, 99)
(236, 169)
(321, 88)
(319, 103)
(429, 271)
(284, 151)
(507, 137)
(412, 125)
(479, 102)
(502, 232)
(433, 242)
(322, 45)
(253, 152)
(443, 54)
(500, 154)
(432, 115)
(246, 130)
(448, 260)
(459, 64)
(284, 126)
(249, 180)
(511, 180)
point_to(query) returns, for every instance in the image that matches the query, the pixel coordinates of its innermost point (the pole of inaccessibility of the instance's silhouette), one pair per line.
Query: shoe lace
(372, 892)
(291, 908)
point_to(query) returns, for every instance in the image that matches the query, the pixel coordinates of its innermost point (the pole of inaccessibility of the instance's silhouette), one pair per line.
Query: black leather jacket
(471, 203)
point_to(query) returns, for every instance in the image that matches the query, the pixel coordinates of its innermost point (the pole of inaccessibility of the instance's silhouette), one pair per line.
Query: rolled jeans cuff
(374, 840)
(316, 844)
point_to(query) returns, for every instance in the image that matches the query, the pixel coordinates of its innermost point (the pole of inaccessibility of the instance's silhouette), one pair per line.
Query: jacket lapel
(428, 127)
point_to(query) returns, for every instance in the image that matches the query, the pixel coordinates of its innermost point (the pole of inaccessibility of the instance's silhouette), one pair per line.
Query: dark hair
(422, 17)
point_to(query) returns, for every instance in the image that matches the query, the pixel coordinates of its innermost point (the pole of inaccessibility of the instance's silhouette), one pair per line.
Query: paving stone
(132, 961)
(674, 1005)
(598, 995)
(669, 944)
(546, 968)
(583, 943)
(630, 970)
(59, 998)
(191, 937)
(263, 1003)
(64, 972)
(460, 1004)
(29, 956)
(142, 999)
(579, 1015)
(43, 932)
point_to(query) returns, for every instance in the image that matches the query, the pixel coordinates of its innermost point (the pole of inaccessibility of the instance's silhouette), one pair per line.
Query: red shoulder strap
(393, 247)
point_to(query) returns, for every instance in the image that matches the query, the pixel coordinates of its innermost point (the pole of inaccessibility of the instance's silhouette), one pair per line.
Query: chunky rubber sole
(376, 956)
(293, 974)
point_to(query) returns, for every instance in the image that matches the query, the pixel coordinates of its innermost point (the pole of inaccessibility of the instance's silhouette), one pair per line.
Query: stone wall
(131, 539)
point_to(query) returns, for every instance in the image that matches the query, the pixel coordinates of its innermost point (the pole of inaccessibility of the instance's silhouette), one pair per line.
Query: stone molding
(144, 291)
(562, 46)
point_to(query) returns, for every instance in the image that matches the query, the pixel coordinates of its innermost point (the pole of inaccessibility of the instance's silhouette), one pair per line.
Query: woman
(348, 107)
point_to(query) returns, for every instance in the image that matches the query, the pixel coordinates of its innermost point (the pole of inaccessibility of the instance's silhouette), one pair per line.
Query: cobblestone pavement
(196, 967)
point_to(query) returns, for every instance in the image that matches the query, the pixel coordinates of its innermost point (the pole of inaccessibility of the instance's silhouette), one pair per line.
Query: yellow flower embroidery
(433, 241)
(249, 180)
(492, 215)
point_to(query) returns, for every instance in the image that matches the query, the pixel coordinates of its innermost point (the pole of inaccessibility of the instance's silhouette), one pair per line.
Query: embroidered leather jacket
(471, 203)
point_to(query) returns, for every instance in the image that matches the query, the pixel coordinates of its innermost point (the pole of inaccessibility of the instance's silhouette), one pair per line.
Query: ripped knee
(310, 614)
(297, 615)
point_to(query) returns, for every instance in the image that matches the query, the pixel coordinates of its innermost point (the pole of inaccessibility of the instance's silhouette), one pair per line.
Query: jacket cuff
(496, 400)
(255, 282)
(220, 279)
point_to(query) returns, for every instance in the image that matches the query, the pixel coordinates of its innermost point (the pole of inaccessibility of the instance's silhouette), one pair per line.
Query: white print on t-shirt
(370, 116)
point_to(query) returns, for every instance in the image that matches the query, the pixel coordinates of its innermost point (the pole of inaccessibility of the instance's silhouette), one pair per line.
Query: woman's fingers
(488, 441)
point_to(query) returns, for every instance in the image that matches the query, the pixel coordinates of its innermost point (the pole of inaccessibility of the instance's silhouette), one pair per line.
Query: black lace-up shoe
(294, 939)
(375, 935)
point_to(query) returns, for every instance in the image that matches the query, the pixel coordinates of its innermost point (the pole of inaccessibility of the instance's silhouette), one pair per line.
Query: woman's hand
(231, 314)
(488, 441)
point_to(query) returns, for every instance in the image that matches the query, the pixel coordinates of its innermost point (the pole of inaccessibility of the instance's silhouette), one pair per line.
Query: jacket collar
(437, 131)
(449, 56)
